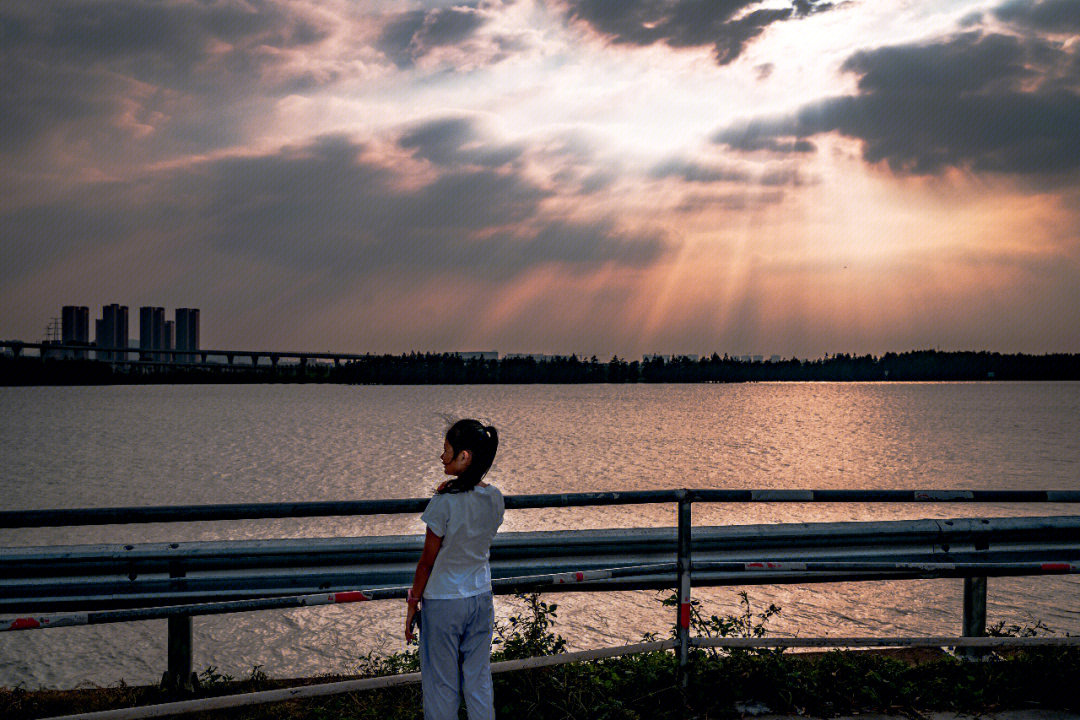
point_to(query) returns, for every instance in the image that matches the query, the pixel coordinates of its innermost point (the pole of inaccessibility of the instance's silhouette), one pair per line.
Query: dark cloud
(41, 234)
(597, 181)
(697, 173)
(439, 140)
(728, 187)
(411, 35)
(693, 172)
(726, 25)
(171, 42)
(1051, 16)
(35, 98)
(782, 177)
(986, 102)
(731, 201)
(712, 186)
(124, 61)
(971, 19)
(589, 244)
(966, 64)
(784, 145)
(327, 209)
(453, 141)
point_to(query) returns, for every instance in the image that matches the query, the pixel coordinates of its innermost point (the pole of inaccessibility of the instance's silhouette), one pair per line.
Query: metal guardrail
(549, 581)
(260, 511)
(151, 577)
(98, 577)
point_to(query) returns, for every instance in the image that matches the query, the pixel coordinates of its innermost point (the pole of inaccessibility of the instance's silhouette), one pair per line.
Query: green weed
(644, 685)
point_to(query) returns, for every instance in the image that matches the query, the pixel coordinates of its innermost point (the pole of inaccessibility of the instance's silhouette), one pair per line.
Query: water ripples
(155, 445)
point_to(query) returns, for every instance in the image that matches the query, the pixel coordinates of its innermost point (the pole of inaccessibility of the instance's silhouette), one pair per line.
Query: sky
(792, 177)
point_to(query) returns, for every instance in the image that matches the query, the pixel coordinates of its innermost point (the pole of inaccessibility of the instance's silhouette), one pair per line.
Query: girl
(454, 580)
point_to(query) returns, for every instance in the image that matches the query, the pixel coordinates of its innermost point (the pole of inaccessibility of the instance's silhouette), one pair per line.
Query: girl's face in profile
(454, 465)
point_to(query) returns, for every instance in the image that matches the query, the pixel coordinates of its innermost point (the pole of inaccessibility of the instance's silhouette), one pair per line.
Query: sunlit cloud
(609, 178)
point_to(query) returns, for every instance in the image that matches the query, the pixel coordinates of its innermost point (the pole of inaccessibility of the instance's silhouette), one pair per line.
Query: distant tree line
(451, 369)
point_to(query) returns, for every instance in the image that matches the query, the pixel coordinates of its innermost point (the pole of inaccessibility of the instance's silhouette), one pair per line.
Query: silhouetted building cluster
(156, 334)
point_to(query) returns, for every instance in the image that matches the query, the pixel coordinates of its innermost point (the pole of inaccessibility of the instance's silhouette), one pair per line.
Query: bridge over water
(260, 359)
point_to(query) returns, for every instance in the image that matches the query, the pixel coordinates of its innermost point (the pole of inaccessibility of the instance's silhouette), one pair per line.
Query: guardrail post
(179, 675)
(683, 625)
(974, 613)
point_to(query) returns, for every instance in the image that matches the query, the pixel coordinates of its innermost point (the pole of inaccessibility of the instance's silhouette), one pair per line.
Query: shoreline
(453, 369)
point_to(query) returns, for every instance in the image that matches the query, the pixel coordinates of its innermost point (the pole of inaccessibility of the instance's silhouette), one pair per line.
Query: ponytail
(482, 441)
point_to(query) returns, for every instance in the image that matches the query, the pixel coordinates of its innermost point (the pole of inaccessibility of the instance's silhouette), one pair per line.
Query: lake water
(156, 445)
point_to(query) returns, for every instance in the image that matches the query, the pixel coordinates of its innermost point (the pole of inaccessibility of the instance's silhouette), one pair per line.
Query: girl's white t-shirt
(467, 523)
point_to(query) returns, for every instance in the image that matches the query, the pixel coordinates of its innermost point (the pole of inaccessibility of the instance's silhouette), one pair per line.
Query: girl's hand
(409, 614)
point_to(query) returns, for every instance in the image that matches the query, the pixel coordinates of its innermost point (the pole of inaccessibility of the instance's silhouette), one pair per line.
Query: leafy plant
(212, 676)
(743, 623)
(373, 664)
(644, 685)
(257, 677)
(1001, 629)
(529, 633)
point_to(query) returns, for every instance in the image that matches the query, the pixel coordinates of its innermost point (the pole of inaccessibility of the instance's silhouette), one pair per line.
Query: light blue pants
(455, 657)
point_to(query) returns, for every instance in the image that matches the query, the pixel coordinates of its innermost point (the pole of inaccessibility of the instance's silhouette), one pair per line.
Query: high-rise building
(181, 333)
(168, 339)
(99, 335)
(159, 332)
(151, 331)
(75, 321)
(112, 332)
(122, 331)
(187, 333)
(106, 333)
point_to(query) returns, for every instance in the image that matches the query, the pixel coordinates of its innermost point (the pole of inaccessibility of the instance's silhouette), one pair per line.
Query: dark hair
(481, 441)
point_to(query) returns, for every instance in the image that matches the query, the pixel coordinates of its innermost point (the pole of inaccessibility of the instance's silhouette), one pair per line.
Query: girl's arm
(432, 544)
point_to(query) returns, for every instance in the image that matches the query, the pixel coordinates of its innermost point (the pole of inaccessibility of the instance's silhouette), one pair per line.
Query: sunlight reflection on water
(154, 445)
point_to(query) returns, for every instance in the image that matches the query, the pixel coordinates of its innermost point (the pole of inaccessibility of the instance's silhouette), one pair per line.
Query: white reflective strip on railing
(336, 688)
(44, 621)
(580, 576)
